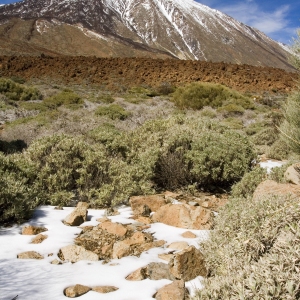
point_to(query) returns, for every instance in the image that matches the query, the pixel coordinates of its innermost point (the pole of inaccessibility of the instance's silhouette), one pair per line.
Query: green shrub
(113, 111)
(220, 158)
(231, 109)
(233, 123)
(209, 112)
(266, 136)
(105, 98)
(279, 150)
(290, 128)
(165, 88)
(198, 95)
(67, 98)
(18, 92)
(246, 187)
(18, 192)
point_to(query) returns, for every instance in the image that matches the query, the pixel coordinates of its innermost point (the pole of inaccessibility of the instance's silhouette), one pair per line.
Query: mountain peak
(183, 29)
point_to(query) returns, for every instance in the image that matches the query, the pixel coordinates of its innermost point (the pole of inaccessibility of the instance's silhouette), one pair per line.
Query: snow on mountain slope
(184, 28)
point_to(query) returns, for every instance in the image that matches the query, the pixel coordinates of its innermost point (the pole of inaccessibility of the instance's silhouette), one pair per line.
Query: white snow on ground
(38, 279)
(270, 164)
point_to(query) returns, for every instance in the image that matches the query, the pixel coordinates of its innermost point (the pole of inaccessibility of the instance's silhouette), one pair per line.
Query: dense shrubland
(254, 249)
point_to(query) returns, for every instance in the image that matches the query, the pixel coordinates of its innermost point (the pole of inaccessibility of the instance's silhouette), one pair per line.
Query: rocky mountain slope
(155, 28)
(121, 73)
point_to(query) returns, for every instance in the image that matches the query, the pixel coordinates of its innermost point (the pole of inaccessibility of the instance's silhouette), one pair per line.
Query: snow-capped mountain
(183, 29)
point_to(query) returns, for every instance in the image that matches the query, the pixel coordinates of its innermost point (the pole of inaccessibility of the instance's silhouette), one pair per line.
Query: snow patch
(38, 279)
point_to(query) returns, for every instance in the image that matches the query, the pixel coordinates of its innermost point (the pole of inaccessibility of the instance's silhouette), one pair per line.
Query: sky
(279, 19)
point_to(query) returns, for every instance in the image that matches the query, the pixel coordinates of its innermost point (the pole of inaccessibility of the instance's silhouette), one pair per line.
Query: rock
(78, 215)
(56, 262)
(174, 291)
(187, 264)
(104, 219)
(292, 174)
(171, 195)
(30, 255)
(73, 253)
(58, 208)
(184, 216)
(39, 239)
(137, 275)
(76, 290)
(104, 289)
(154, 244)
(166, 256)
(121, 249)
(158, 271)
(144, 220)
(114, 228)
(153, 202)
(270, 187)
(193, 203)
(189, 235)
(33, 230)
(178, 245)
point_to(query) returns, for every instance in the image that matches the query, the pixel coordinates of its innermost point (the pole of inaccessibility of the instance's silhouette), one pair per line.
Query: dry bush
(253, 252)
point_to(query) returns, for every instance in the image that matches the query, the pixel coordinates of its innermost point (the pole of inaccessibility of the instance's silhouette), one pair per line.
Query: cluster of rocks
(110, 240)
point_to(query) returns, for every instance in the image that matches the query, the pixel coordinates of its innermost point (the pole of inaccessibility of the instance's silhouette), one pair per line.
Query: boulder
(30, 255)
(137, 275)
(33, 230)
(184, 216)
(73, 253)
(114, 228)
(76, 290)
(292, 174)
(189, 235)
(56, 262)
(143, 220)
(166, 256)
(187, 264)
(104, 289)
(78, 215)
(141, 204)
(178, 245)
(174, 291)
(39, 239)
(272, 188)
(158, 271)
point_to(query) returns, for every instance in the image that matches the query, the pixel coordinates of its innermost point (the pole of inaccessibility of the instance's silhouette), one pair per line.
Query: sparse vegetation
(113, 111)
(198, 95)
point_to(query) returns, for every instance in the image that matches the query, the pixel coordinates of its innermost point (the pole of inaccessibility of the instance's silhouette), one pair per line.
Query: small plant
(18, 92)
(198, 95)
(246, 187)
(67, 98)
(113, 111)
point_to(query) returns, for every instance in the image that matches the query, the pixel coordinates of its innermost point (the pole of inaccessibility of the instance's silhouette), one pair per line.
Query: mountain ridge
(175, 28)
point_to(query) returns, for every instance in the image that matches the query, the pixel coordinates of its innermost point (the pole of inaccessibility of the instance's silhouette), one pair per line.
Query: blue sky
(278, 19)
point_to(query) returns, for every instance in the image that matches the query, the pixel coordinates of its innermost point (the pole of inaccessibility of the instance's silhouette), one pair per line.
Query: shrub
(279, 150)
(113, 111)
(253, 251)
(18, 92)
(106, 98)
(18, 193)
(266, 136)
(209, 112)
(67, 98)
(290, 128)
(12, 147)
(220, 158)
(198, 95)
(165, 88)
(246, 187)
(231, 109)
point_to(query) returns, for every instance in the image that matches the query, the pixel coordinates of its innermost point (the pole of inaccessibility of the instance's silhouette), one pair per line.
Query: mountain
(182, 29)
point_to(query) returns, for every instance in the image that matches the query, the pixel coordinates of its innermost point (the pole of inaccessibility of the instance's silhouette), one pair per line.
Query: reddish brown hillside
(119, 73)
